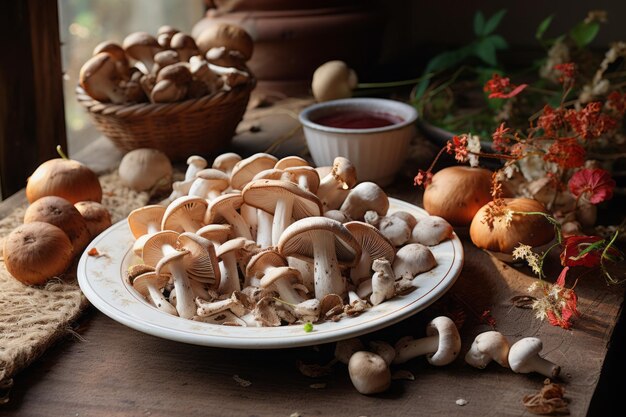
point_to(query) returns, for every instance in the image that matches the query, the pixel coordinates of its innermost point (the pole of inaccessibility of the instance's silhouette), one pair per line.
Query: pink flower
(596, 185)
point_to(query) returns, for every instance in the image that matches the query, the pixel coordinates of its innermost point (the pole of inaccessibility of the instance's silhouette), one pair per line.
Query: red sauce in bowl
(358, 119)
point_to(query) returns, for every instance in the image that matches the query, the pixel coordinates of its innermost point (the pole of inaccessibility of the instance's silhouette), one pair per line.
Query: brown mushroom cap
(371, 240)
(184, 45)
(96, 215)
(222, 202)
(533, 230)
(141, 46)
(246, 169)
(297, 240)
(153, 247)
(201, 263)
(140, 218)
(310, 175)
(291, 162)
(141, 282)
(215, 232)
(100, 79)
(36, 251)
(61, 213)
(265, 259)
(184, 213)
(264, 194)
(229, 36)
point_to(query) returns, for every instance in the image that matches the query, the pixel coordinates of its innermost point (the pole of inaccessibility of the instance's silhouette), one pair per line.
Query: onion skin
(65, 178)
(532, 230)
(456, 193)
(37, 251)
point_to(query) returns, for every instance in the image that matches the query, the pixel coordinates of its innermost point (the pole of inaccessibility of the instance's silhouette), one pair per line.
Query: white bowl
(378, 153)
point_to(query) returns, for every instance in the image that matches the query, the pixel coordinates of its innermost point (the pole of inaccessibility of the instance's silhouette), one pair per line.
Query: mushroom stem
(264, 229)
(361, 271)
(287, 292)
(240, 227)
(382, 281)
(417, 347)
(544, 366)
(185, 304)
(282, 218)
(326, 273)
(159, 301)
(303, 182)
(189, 225)
(230, 274)
(249, 214)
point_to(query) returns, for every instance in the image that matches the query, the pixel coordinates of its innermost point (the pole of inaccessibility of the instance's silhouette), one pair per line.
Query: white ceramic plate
(102, 281)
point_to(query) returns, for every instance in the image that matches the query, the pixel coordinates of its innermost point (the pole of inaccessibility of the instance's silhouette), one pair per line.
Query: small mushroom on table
(441, 345)
(329, 244)
(369, 372)
(487, 347)
(524, 358)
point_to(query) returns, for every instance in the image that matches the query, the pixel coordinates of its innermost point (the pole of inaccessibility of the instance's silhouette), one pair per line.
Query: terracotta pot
(291, 43)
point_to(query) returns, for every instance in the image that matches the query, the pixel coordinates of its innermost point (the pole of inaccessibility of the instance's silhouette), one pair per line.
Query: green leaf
(543, 26)
(493, 22)
(443, 61)
(486, 51)
(584, 33)
(479, 23)
(498, 41)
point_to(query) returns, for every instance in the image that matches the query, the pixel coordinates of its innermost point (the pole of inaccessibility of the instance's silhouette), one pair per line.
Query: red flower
(567, 70)
(617, 102)
(423, 178)
(458, 146)
(565, 306)
(589, 122)
(501, 87)
(551, 120)
(596, 185)
(500, 141)
(566, 153)
(574, 245)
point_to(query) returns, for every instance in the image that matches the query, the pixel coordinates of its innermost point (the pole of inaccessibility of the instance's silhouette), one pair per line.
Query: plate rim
(212, 339)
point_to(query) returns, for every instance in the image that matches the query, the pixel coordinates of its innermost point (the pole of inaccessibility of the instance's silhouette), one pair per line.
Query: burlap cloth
(32, 318)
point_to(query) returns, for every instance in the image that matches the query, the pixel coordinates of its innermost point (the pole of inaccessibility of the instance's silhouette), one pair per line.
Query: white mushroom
(145, 169)
(441, 346)
(363, 197)
(383, 281)
(383, 349)
(413, 259)
(333, 80)
(431, 231)
(369, 373)
(524, 358)
(335, 186)
(395, 229)
(487, 347)
(329, 244)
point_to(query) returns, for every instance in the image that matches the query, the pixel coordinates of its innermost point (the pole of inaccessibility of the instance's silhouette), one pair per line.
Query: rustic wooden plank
(32, 118)
(117, 371)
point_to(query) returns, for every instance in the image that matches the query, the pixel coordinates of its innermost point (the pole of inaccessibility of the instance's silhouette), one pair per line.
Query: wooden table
(111, 370)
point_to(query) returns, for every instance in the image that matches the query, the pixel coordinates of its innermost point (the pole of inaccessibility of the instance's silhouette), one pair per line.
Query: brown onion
(37, 251)
(65, 178)
(61, 213)
(456, 193)
(533, 230)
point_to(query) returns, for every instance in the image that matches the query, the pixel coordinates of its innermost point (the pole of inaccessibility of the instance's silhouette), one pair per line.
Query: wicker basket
(192, 127)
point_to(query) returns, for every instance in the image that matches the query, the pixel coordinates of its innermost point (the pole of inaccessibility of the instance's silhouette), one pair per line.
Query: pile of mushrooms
(267, 242)
(169, 67)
